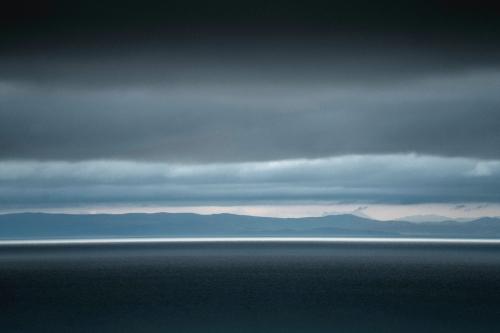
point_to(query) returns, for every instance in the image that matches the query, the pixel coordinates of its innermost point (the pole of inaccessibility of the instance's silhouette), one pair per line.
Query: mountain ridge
(50, 225)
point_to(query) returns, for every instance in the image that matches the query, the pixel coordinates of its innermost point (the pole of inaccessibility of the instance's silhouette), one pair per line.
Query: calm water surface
(250, 286)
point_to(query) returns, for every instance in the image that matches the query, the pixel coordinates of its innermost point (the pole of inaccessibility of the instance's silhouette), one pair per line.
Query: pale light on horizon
(382, 212)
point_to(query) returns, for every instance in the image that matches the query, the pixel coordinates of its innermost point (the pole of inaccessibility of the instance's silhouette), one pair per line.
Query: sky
(278, 108)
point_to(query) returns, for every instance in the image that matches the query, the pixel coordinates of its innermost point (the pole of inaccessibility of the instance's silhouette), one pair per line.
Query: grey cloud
(354, 178)
(349, 60)
(450, 115)
(172, 103)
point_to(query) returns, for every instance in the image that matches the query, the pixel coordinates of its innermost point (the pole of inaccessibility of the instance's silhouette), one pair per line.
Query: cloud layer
(451, 115)
(395, 179)
(224, 102)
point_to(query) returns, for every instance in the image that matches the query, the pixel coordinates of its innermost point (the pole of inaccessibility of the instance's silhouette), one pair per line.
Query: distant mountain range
(432, 218)
(46, 226)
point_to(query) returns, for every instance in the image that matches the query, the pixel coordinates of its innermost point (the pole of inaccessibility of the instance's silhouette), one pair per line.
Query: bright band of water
(247, 240)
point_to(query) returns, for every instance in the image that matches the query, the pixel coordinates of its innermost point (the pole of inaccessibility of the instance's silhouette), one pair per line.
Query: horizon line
(166, 240)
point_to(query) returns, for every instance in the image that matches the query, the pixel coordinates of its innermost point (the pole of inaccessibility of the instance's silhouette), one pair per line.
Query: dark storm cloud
(454, 115)
(93, 20)
(171, 101)
(242, 81)
(119, 42)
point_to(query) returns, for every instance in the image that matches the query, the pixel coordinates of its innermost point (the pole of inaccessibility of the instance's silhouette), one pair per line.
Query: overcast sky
(286, 105)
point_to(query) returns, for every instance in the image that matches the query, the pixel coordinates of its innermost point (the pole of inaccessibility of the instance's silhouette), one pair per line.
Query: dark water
(250, 287)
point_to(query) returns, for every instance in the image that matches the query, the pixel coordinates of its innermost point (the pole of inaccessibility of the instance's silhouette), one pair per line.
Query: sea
(250, 285)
